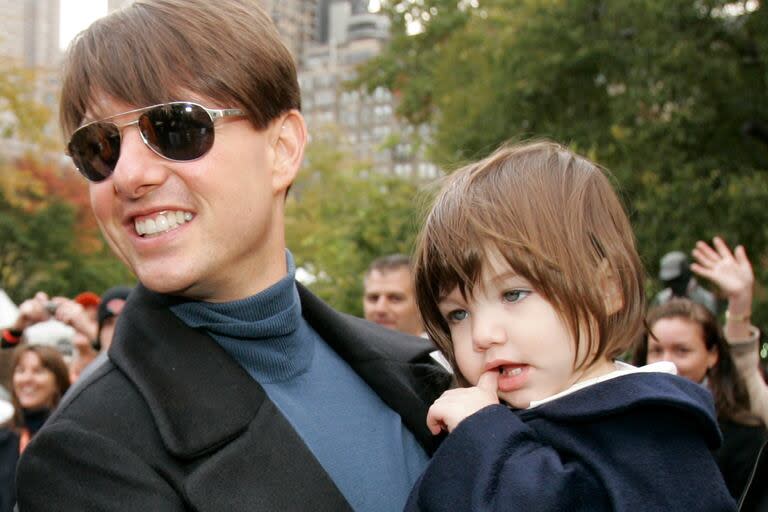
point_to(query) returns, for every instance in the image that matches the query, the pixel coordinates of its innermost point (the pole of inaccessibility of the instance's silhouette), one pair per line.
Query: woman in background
(688, 334)
(40, 379)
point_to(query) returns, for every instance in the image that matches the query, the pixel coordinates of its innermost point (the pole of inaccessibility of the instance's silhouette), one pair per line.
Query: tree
(670, 95)
(49, 239)
(341, 216)
(23, 118)
(39, 251)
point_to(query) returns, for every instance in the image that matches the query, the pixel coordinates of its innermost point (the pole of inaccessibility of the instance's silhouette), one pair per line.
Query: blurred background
(670, 95)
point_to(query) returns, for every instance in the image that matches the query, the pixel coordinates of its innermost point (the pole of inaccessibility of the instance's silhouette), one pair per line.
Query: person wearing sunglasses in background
(228, 385)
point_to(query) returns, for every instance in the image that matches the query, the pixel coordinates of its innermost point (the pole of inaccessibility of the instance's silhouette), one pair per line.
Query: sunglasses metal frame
(214, 113)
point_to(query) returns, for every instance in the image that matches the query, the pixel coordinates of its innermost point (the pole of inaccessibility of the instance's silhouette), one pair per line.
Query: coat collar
(201, 398)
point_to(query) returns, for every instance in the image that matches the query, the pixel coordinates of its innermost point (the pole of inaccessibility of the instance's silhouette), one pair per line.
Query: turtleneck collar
(260, 331)
(271, 312)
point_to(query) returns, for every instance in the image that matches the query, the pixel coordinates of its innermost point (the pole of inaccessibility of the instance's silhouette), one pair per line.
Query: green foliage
(17, 90)
(46, 241)
(38, 252)
(340, 217)
(671, 95)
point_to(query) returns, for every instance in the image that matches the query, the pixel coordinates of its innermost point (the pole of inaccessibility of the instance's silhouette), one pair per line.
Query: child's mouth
(512, 377)
(510, 370)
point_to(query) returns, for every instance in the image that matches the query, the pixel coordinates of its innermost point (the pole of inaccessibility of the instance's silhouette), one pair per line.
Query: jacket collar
(201, 398)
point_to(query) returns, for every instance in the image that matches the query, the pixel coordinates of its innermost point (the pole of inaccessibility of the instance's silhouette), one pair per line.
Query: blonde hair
(557, 221)
(155, 51)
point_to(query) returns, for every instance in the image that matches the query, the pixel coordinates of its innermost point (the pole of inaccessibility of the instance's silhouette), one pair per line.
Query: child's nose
(487, 333)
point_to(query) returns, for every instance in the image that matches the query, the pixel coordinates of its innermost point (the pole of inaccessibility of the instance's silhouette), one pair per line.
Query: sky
(77, 15)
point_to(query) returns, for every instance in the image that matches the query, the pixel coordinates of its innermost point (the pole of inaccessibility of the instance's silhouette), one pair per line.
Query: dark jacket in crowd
(9, 456)
(738, 454)
(640, 441)
(171, 422)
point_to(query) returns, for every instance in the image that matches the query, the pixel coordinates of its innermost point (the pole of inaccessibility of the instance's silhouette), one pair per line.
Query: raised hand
(32, 311)
(71, 313)
(730, 271)
(456, 404)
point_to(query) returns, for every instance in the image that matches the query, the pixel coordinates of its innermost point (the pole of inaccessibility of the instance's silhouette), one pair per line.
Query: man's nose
(139, 170)
(381, 304)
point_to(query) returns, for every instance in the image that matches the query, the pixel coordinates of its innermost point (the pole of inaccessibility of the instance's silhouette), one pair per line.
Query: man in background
(389, 298)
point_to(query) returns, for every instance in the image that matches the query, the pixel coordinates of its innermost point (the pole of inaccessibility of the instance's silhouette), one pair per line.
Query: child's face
(509, 328)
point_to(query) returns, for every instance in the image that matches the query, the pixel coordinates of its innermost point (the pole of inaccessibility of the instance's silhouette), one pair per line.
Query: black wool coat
(171, 422)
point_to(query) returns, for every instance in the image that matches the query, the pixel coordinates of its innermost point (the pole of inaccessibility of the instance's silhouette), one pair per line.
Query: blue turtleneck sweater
(363, 445)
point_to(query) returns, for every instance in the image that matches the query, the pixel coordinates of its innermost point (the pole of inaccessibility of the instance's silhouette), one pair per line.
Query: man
(228, 385)
(389, 298)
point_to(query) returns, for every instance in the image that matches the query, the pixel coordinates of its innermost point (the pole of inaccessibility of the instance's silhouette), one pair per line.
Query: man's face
(221, 215)
(389, 300)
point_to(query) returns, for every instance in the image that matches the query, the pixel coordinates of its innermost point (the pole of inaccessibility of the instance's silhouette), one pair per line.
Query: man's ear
(289, 140)
(609, 288)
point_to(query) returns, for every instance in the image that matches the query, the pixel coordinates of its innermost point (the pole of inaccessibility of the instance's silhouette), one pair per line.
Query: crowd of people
(40, 369)
(489, 373)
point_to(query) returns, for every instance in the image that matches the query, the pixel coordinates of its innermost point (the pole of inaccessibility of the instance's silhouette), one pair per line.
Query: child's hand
(456, 404)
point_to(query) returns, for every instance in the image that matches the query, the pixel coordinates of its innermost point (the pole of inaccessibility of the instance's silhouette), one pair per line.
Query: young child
(527, 277)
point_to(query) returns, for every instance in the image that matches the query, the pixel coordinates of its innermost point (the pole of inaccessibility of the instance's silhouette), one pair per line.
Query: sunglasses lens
(95, 149)
(178, 131)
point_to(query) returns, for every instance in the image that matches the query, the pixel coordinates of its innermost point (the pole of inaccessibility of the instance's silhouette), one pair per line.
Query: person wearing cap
(90, 302)
(677, 278)
(229, 386)
(112, 302)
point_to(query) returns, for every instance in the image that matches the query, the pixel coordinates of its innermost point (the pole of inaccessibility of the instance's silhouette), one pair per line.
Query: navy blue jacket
(640, 441)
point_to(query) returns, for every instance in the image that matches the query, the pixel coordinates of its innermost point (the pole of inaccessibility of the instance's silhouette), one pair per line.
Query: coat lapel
(215, 418)
(210, 413)
(398, 367)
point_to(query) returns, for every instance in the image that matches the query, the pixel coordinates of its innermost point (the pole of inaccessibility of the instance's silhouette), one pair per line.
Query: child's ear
(609, 288)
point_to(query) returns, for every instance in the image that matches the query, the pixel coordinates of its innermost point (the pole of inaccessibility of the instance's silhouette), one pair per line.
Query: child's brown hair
(557, 221)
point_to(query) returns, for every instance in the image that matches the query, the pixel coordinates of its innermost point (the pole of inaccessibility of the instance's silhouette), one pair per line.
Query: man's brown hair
(389, 263)
(155, 51)
(557, 221)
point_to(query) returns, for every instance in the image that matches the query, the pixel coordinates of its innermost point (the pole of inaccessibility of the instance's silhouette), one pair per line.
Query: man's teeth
(517, 370)
(162, 222)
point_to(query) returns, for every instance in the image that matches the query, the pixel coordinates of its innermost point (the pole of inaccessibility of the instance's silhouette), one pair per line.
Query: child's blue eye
(457, 315)
(515, 295)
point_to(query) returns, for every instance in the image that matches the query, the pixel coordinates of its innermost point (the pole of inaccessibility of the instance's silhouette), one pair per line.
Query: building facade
(30, 41)
(328, 38)
(363, 125)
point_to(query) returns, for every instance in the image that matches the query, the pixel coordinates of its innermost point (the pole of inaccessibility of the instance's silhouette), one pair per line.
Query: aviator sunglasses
(179, 131)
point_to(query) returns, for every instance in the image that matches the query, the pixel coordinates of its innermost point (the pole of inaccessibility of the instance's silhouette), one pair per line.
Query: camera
(50, 307)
